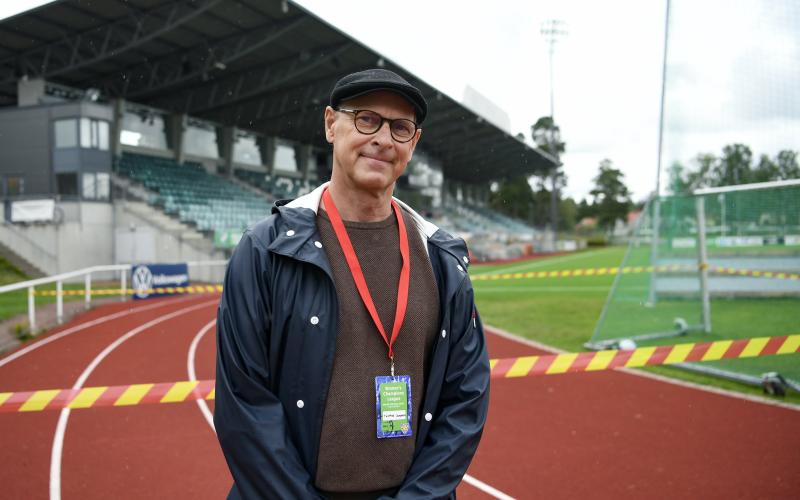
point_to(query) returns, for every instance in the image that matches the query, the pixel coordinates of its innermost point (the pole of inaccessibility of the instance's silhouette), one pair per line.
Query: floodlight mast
(655, 233)
(552, 30)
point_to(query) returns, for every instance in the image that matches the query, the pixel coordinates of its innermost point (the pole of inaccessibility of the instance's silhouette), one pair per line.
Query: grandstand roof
(266, 66)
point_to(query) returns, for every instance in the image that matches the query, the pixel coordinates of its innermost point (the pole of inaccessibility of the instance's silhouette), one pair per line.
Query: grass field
(15, 303)
(563, 312)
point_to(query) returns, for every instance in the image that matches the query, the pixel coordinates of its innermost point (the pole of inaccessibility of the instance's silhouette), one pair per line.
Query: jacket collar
(298, 228)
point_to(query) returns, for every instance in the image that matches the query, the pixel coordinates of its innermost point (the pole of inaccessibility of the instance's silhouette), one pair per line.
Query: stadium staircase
(20, 262)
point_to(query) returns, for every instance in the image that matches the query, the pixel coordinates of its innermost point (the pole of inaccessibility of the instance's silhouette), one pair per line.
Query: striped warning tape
(644, 356)
(525, 366)
(128, 291)
(566, 273)
(602, 271)
(119, 395)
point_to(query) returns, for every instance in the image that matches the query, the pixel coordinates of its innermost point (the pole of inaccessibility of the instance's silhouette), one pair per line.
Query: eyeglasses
(369, 122)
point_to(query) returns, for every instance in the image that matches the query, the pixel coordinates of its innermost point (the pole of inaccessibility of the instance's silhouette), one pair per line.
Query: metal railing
(59, 279)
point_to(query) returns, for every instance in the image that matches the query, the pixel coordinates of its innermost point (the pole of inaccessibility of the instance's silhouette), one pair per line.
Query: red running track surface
(599, 435)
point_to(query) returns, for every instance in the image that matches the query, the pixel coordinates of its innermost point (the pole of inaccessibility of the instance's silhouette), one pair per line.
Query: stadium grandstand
(157, 130)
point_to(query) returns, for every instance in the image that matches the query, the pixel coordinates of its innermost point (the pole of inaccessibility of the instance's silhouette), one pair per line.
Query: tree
(702, 177)
(546, 134)
(677, 182)
(788, 167)
(735, 166)
(514, 198)
(612, 198)
(766, 170)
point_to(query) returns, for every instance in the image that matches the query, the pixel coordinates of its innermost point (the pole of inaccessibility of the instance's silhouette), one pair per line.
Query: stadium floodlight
(552, 30)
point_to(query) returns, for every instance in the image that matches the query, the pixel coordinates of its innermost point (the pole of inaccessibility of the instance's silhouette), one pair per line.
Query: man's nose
(384, 134)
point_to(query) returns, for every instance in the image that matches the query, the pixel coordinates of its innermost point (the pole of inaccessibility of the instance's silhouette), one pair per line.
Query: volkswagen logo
(142, 281)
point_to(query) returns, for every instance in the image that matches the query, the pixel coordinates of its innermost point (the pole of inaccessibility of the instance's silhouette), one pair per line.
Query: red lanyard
(358, 274)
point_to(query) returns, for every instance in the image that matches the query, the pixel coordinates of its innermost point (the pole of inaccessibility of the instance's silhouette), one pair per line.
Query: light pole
(552, 30)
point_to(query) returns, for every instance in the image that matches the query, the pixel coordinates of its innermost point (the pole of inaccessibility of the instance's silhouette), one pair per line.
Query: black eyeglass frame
(391, 121)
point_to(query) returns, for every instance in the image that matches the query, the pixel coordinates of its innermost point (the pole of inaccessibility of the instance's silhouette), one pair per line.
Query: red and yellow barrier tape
(644, 356)
(566, 273)
(129, 291)
(525, 366)
(602, 271)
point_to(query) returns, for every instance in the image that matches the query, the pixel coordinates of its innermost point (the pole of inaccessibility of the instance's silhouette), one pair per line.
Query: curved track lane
(599, 435)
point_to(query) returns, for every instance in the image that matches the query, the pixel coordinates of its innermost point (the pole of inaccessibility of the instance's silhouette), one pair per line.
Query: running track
(600, 435)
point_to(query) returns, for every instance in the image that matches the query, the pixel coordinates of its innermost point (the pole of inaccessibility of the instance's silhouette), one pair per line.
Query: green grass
(563, 312)
(15, 303)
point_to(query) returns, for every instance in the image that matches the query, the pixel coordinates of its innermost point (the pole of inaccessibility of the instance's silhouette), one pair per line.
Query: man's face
(369, 162)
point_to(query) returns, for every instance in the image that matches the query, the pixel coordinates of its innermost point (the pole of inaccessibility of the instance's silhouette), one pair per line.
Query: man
(350, 357)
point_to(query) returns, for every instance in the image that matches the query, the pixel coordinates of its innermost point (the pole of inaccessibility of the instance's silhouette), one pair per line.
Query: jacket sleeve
(248, 417)
(461, 410)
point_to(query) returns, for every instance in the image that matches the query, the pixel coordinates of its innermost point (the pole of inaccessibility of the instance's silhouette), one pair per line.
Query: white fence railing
(123, 270)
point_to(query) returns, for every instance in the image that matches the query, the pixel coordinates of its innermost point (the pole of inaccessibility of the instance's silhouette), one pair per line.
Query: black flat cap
(370, 80)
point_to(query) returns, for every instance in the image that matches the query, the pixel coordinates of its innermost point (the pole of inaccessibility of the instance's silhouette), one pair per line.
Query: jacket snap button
(318, 244)
(466, 260)
(428, 417)
(290, 232)
(314, 320)
(444, 333)
(300, 404)
(460, 268)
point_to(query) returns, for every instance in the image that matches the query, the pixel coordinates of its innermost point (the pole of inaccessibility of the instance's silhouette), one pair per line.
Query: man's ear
(415, 140)
(330, 118)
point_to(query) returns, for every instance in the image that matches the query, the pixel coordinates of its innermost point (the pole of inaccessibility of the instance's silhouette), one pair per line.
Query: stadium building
(157, 130)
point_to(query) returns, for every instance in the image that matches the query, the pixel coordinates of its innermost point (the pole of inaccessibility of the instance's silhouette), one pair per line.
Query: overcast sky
(733, 70)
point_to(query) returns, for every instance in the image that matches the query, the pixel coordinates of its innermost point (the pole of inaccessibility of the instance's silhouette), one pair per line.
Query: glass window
(103, 183)
(200, 140)
(89, 188)
(284, 157)
(94, 134)
(145, 129)
(66, 132)
(245, 150)
(102, 131)
(67, 184)
(86, 133)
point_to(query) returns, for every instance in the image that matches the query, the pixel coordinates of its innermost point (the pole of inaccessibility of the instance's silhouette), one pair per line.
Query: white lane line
(210, 417)
(63, 418)
(486, 488)
(83, 326)
(540, 263)
(201, 403)
(661, 378)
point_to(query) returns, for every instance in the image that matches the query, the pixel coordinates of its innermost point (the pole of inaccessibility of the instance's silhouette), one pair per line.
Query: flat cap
(370, 80)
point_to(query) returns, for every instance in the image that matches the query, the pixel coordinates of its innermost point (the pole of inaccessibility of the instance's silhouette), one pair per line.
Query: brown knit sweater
(351, 457)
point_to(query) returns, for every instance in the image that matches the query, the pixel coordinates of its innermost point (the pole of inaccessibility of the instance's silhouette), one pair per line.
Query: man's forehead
(386, 100)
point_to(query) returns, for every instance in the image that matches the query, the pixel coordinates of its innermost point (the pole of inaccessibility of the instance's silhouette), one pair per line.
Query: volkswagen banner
(152, 280)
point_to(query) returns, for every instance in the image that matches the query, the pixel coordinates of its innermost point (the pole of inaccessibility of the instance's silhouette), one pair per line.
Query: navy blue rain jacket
(276, 338)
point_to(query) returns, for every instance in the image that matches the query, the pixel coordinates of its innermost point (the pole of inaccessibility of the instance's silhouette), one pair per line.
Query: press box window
(94, 134)
(95, 186)
(66, 133)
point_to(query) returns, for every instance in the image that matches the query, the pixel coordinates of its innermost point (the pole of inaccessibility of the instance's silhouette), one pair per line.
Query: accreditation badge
(393, 405)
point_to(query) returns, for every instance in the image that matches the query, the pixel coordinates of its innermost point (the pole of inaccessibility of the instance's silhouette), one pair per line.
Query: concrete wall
(87, 237)
(167, 247)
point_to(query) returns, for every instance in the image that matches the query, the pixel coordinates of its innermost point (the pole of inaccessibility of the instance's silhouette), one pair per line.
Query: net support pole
(123, 291)
(59, 302)
(655, 235)
(88, 291)
(702, 262)
(31, 310)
